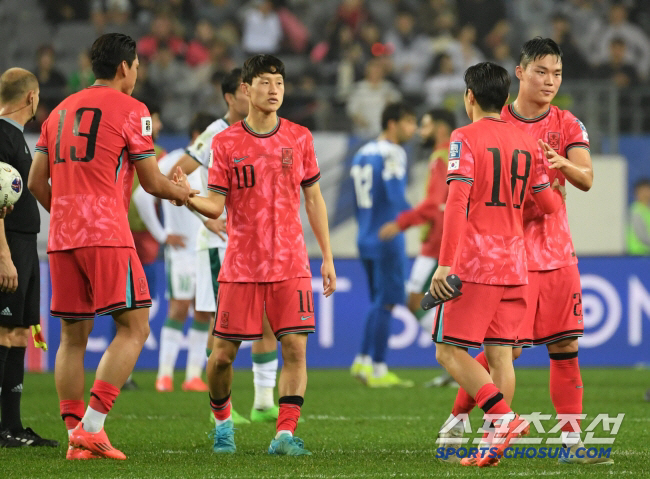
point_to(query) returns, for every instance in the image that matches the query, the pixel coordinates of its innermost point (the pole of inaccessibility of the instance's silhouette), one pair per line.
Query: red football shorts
(289, 305)
(96, 280)
(484, 314)
(555, 306)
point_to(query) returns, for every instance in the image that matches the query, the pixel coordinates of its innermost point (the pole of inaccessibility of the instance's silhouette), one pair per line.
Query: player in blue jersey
(379, 174)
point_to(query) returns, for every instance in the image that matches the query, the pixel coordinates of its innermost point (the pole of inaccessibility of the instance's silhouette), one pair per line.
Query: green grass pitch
(353, 432)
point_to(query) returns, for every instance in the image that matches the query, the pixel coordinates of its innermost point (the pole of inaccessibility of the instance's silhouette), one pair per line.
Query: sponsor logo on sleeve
(454, 150)
(147, 127)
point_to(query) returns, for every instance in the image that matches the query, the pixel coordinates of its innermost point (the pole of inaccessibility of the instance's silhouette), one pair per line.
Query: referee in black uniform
(19, 271)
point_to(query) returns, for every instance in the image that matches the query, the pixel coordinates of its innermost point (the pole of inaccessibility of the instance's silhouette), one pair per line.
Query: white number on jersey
(362, 176)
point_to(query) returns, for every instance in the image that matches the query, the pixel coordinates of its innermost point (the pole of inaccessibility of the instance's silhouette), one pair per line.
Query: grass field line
(382, 417)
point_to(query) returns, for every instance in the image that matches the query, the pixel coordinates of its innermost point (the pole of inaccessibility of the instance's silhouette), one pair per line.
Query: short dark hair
(200, 122)
(641, 182)
(395, 112)
(15, 83)
(231, 81)
(109, 51)
(490, 84)
(443, 115)
(260, 64)
(538, 48)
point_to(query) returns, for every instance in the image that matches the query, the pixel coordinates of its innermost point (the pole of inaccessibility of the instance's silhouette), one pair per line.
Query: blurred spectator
(489, 17)
(533, 18)
(83, 77)
(412, 53)
(300, 103)
(368, 99)
(586, 23)
(574, 64)
(501, 56)
(261, 29)
(463, 50)
(436, 17)
(384, 12)
(50, 80)
(444, 80)
(113, 12)
(637, 42)
(57, 11)
(198, 50)
(145, 90)
(618, 68)
(370, 41)
(162, 33)
(352, 13)
(347, 71)
(638, 232)
(216, 11)
(623, 74)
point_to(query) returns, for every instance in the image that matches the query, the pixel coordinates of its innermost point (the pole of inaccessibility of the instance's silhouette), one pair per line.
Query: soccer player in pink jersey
(257, 169)
(554, 314)
(90, 146)
(493, 169)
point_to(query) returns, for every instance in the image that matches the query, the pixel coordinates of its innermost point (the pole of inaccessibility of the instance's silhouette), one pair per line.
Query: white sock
(457, 425)
(196, 341)
(364, 359)
(570, 438)
(219, 422)
(379, 369)
(280, 433)
(427, 321)
(170, 342)
(264, 375)
(93, 421)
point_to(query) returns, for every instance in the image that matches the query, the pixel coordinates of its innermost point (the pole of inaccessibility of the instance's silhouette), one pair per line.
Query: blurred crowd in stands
(345, 59)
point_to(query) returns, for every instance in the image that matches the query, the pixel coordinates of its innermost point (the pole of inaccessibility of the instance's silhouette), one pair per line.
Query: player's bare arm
(8, 272)
(157, 184)
(38, 180)
(389, 230)
(317, 214)
(576, 168)
(185, 163)
(212, 206)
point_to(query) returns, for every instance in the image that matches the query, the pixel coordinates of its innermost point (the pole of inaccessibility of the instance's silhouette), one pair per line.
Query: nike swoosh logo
(304, 318)
(237, 160)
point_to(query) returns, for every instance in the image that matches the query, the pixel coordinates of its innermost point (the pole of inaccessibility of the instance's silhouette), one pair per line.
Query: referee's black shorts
(22, 308)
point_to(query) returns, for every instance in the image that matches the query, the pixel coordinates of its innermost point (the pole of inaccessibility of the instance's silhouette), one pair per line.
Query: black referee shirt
(13, 150)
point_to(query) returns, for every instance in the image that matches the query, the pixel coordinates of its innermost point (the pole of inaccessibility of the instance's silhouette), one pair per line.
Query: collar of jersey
(492, 119)
(513, 112)
(12, 122)
(261, 135)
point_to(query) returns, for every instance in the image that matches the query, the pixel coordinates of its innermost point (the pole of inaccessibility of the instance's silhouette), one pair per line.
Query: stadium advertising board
(615, 303)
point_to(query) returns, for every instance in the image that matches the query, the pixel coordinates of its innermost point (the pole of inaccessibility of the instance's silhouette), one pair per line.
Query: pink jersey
(261, 176)
(92, 139)
(548, 237)
(504, 167)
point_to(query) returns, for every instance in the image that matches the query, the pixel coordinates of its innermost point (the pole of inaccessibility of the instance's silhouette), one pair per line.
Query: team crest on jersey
(223, 322)
(454, 150)
(554, 140)
(287, 157)
(147, 126)
(143, 285)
